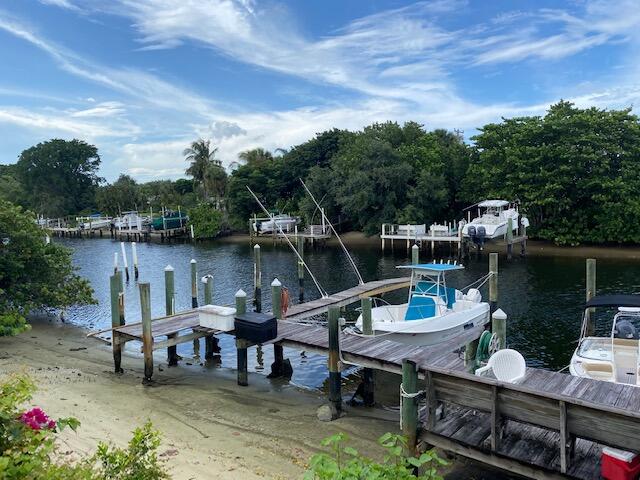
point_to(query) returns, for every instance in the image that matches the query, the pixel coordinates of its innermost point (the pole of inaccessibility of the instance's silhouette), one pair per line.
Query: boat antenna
(300, 259)
(353, 264)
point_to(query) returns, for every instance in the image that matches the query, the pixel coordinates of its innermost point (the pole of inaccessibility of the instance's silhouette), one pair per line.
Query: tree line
(573, 170)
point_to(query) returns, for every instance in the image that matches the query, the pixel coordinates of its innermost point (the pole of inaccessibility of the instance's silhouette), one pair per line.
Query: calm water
(541, 295)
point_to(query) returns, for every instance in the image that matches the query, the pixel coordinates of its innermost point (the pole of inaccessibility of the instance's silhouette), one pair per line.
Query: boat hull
(430, 331)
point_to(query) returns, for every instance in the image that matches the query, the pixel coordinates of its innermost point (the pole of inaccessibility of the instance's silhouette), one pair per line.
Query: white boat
(492, 220)
(93, 222)
(615, 357)
(130, 221)
(277, 222)
(434, 312)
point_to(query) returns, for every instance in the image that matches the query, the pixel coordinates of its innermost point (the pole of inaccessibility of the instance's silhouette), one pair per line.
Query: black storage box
(256, 327)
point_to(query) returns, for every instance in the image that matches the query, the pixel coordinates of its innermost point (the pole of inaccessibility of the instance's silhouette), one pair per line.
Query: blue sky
(140, 79)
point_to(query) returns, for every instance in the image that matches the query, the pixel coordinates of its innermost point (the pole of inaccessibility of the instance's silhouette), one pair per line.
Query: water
(541, 295)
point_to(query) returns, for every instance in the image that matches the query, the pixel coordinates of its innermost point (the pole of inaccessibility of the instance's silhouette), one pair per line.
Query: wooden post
(115, 262)
(169, 298)
(335, 393)
(257, 279)
(210, 341)
(590, 293)
(134, 254)
(367, 329)
(499, 327)
(415, 254)
(493, 282)
(276, 299)
(241, 344)
(147, 337)
(115, 321)
(509, 238)
(300, 242)
(409, 405)
(124, 261)
(194, 301)
(280, 366)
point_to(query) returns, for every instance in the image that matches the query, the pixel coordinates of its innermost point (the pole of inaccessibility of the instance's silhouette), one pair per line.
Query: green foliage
(137, 462)
(206, 221)
(344, 462)
(123, 195)
(59, 177)
(574, 170)
(204, 168)
(28, 453)
(33, 274)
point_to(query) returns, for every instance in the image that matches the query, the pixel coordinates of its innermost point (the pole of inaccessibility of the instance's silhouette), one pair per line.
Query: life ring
(284, 301)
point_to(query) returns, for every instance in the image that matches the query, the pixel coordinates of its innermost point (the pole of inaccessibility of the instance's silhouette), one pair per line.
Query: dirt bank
(534, 247)
(211, 427)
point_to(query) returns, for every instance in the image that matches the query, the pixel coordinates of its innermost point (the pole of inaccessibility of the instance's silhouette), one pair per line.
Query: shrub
(344, 462)
(206, 221)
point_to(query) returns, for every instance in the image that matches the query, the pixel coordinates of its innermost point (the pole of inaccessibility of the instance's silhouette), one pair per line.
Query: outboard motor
(471, 231)
(482, 233)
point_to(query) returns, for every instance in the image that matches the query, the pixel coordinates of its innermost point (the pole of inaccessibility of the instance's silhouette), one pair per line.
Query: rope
(484, 279)
(404, 394)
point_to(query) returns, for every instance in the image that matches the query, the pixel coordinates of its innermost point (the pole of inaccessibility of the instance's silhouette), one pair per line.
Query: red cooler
(619, 465)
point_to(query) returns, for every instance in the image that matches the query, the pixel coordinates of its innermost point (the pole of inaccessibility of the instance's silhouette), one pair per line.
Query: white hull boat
(92, 223)
(614, 358)
(283, 222)
(434, 313)
(492, 220)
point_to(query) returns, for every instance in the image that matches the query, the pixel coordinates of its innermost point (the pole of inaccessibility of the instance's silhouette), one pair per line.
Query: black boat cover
(614, 301)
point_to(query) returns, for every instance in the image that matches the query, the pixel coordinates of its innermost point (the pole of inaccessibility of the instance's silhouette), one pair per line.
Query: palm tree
(255, 156)
(201, 156)
(215, 181)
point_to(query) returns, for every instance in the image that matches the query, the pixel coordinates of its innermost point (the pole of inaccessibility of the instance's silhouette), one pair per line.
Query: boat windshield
(624, 327)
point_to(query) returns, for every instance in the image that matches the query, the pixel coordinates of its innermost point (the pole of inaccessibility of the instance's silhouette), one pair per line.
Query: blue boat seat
(447, 294)
(420, 306)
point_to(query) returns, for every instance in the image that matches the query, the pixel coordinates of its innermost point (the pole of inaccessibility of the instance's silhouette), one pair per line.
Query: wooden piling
(241, 344)
(241, 302)
(509, 238)
(257, 279)
(210, 341)
(415, 254)
(368, 386)
(124, 261)
(590, 293)
(169, 301)
(493, 282)
(409, 405)
(335, 386)
(134, 254)
(115, 322)
(300, 245)
(147, 336)
(278, 368)
(499, 327)
(194, 301)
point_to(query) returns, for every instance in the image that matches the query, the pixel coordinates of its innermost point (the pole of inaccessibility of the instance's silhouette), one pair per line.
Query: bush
(28, 449)
(206, 221)
(344, 462)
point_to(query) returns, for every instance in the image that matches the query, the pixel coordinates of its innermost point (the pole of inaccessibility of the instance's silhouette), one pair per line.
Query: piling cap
(256, 247)
(276, 283)
(499, 315)
(206, 278)
(168, 268)
(193, 260)
(241, 293)
(415, 246)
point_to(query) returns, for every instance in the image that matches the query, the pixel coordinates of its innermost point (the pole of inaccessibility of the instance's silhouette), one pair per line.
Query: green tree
(33, 274)
(11, 189)
(123, 195)
(255, 156)
(59, 177)
(574, 170)
(206, 221)
(200, 156)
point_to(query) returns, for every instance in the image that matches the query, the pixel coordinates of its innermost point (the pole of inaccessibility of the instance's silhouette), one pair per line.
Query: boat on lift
(280, 222)
(613, 357)
(95, 221)
(433, 313)
(492, 220)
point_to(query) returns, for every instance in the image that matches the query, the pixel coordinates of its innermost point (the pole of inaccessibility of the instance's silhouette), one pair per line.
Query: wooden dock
(123, 235)
(305, 310)
(421, 235)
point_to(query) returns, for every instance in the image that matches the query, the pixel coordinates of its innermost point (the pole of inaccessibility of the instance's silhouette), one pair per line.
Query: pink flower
(36, 419)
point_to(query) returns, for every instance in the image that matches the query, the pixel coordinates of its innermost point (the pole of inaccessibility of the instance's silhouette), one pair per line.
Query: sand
(211, 427)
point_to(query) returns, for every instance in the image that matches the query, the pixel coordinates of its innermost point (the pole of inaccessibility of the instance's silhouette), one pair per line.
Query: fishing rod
(353, 264)
(300, 259)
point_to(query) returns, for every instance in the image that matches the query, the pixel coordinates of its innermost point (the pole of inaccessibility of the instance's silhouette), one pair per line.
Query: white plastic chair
(507, 366)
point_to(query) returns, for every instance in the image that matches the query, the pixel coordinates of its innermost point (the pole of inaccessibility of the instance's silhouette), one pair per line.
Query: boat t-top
(276, 223)
(492, 220)
(614, 357)
(433, 313)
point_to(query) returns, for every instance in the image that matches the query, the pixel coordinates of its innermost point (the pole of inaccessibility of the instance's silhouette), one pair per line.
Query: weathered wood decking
(346, 297)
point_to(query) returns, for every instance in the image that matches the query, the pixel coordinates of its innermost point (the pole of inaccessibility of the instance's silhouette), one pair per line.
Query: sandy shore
(211, 427)
(534, 247)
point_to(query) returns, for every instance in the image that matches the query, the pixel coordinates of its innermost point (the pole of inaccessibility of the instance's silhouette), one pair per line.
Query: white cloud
(60, 3)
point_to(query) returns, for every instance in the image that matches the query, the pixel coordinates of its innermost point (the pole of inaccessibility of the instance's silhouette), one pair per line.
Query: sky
(141, 79)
